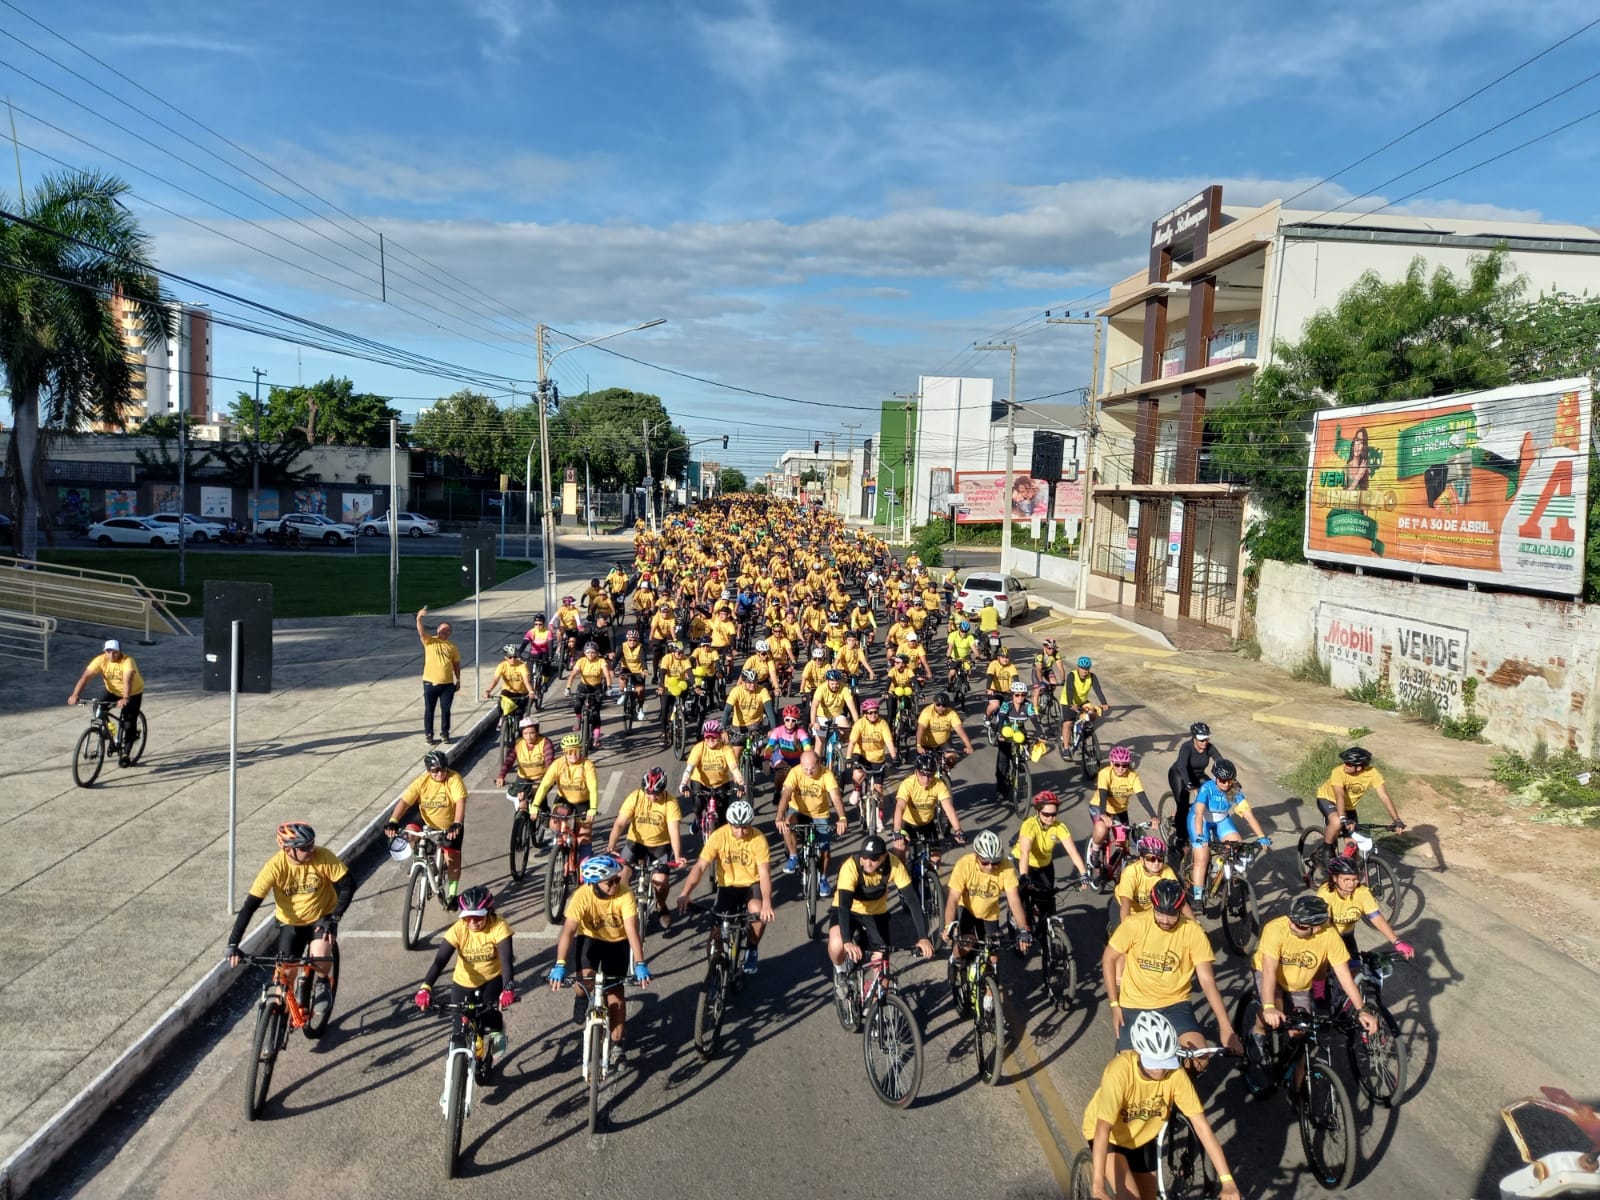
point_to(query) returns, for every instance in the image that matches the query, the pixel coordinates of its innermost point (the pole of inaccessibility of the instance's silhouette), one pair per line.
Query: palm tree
(65, 251)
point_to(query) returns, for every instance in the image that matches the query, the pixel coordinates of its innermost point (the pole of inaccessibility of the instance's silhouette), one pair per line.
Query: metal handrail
(80, 593)
(163, 596)
(22, 635)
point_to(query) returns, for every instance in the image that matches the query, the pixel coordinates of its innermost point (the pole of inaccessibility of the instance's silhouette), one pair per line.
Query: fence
(80, 594)
(25, 636)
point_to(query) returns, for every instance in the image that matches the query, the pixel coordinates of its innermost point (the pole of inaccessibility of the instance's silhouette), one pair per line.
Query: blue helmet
(600, 868)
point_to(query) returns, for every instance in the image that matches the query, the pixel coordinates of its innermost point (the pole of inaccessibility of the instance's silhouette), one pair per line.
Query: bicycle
(510, 721)
(632, 708)
(526, 833)
(833, 748)
(865, 998)
(1228, 884)
(870, 801)
(1303, 1060)
(714, 803)
(285, 1004)
(961, 685)
(1377, 1061)
(724, 977)
(1016, 777)
(589, 721)
(1085, 747)
(1049, 708)
(1379, 877)
(975, 985)
(594, 1059)
(467, 1064)
(1115, 853)
(427, 880)
(809, 852)
(1055, 949)
(753, 740)
(544, 671)
(906, 709)
(561, 865)
(105, 728)
(644, 891)
(929, 888)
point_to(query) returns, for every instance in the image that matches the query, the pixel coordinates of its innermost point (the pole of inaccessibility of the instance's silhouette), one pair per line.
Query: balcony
(1125, 375)
(1232, 343)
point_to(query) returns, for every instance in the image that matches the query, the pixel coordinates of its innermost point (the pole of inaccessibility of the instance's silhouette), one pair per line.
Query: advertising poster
(354, 507)
(122, 502)
(1490, 487)
(216, 502)
(267, 505)
(1418, 658)
(164, 498)
(981, 493)
(311, 500)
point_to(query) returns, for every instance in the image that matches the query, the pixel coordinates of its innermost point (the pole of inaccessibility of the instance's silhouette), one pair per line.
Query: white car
(196, 529)
(411, 524)
(1009, 596)
(132, 531)
(312, 527)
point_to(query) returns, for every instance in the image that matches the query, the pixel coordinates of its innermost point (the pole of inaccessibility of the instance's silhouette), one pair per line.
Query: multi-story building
(1222, 287)
(171, 377)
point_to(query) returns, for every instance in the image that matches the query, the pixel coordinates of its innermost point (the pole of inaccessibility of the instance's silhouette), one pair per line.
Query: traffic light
(816, 447)
(724, 441)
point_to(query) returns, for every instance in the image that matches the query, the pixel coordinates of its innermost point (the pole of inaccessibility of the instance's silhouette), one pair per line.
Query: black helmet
(1168, 896)
(1309, 910)
(927, 763)
(475, 902)
(1223, 770)
(874, 847)
(435, 760)
(1344, 864)
(1200, 730)
(1358, 757)
(942, 699)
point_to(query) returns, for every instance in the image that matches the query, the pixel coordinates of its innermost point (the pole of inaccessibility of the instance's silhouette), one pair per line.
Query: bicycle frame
(461, 1056)
(597, 1015)
(427, 860)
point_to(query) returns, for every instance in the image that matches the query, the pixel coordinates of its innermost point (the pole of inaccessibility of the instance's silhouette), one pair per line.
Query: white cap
(112, 644)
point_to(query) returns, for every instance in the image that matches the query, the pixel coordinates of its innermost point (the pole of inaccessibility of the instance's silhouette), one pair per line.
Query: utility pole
(255, 459)
(849, 462)
(1092, 428)
(1011, 451)
(183, 462)
(904, 494)
(547, 529)
(394, 523)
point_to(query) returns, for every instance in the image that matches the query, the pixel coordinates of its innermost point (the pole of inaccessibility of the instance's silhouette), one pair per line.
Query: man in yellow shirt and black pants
(441, 676)
(743, 863)
(123, 683)
(860, 912)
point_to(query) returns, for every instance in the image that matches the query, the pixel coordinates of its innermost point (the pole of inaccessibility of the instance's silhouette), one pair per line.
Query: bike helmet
(869, 706)
(475, 902)
(1156, 1041)
(1121, 756)
(655, 781)
(1152, 845)
(748, 675)
(435, 760)
(1344, 864)
(632, 635)
(529, 722)
(1084, 663)
(942, 699)
(902, 660)
(510, 650)
(740, 814)
(591, 647)
(296, 835)
(1200, 731)
(705, 641)
(1168, 896)
(571, 741)
(539, 619)
(816, 652)
(763, 646)
(926, 764)
(1223, 770)
(1046, 797)
(1309, 910)
(874, 847)
(1049, 644)
(834, 675)
(569, 599)
(1018, 688)
(1358, 757)
(791, 713)
(965, 627)
(712, 728)
(912, 639)
(987, 846)
(599, 868)
(988, 602)
(675, 646)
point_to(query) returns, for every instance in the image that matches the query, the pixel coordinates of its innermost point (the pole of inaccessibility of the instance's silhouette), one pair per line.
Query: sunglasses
(1047, 812)
(1154, 858)
(1299, 928)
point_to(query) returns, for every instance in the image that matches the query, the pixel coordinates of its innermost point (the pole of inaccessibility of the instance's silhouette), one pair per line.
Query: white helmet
(400, 848)
(741, 814)
(987, 846)
(1156, 1041)
(762, 645)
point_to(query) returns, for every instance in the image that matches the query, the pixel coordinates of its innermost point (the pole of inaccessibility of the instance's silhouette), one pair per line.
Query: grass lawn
(317, 584)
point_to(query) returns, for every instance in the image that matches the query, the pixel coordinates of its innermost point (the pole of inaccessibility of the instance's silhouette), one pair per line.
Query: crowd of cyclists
(808, 663)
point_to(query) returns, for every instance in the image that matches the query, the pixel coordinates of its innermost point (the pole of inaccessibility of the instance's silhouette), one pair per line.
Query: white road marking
(611, 791)
(368, 933)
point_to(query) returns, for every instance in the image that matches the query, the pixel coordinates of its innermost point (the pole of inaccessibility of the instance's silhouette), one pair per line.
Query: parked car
(1009, 596)
(311, 527)
(411, 524)
(132, 531)
(196, 529)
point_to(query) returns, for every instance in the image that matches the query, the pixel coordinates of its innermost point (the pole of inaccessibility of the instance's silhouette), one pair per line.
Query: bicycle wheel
(455, 1109)
(521, 845)
(555, 885)
(1021, 783)
(316, 1026)
(989, 1026)
(1241, 919)
(88, 756)
(141, 735)
(1384, 885)
(1060, 971)
(595, 1039)
(508, 734)
(1260, 1078)
(1378, 1062)
(892, 1047)
(263, 1057)
(414, 909)
(1309, 850)
(679, 732)
(930, 892)
(627, 715)
(709, 1007)
(814, 915)
(1082, 1176)
(847, 1000)
(1089, 755)
(1328, 1128)
(1183, 1171)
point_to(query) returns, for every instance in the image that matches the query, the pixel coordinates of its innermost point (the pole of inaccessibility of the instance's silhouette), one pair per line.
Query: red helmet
(791, 712)
(1046, 797)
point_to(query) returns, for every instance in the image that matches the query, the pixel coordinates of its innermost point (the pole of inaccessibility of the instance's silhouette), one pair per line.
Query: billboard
(1490, 487)
(981, 493)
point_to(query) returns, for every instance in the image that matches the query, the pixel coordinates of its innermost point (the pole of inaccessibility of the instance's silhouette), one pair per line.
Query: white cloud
(750, 47)
(507, 20)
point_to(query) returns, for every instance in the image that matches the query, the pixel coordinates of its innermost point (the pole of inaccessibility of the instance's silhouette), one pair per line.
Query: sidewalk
(113, 900)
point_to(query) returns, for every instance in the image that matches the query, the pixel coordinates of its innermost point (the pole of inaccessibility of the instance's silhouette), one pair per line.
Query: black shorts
(734, 899)
(871, 929)
(294, 940)
(968, 925)
(657, 857)
(609, 958)
(488, 995)
(1141, 1159)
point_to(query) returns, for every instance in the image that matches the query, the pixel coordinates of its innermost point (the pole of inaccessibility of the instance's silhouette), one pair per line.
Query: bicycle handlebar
(278, 960)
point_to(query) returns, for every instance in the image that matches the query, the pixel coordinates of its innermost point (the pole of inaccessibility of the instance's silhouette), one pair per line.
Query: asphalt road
(786, 1109)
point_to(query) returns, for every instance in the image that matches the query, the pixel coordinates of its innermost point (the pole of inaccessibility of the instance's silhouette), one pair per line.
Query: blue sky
(824, 199)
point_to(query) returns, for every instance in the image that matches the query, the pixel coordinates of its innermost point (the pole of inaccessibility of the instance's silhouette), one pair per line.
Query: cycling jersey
(935, 729)
(869, 894)
(302, 893)
(1301, 960)
(631, 657)
(711, 766)
(811, 795)
(871, 739)
(1044, 666)
(436, 799)
(827, 704)
(787, 745)
(646, 818)
(737, 858)
(978, 891)
(1355, 786)
(602, 918)
(1042, 841)
(1348, 913)
(539, 641)
(574, 780)
(514, 678)
(1076, 690)
(1192, 762)
(567, 617)
(1159, 966)
(921, 803)
(1213, 805)
(1135, 884)
(477, 951)
(1134, 1106)
(1113, 791)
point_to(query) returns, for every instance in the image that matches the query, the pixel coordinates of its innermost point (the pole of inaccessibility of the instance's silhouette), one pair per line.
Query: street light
(547, 532)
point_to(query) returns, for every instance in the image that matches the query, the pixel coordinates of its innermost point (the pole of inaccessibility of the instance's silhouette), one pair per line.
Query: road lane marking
(368, 933)
(611, 791)
(1055, 1130)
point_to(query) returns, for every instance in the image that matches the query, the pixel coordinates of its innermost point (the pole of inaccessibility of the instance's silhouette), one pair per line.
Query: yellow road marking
(1299, 723)
(1054, 1128)
(1175, 669)
(1212, 689)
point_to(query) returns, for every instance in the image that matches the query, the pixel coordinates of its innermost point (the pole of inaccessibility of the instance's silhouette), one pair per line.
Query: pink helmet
(1151, 845)
(712, 728)
(1121, 756)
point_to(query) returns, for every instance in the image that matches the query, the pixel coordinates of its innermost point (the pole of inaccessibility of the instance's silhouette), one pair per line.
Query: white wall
(952, 431)
(1537, 661)
(1049, 568)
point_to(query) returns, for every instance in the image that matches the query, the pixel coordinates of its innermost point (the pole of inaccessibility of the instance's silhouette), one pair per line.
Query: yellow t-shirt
(871, 739)
(591, 671)
(567, 616)
(761, 666)
(1159, 967)
(1347, 914)
(989, 619)
(827, 703)
(737, 859)
(749, 704)
(712, 767)
(631, 655)
(575, 781)
(122, 679)
(1042, 841)
(1135, 1107)
(849, 660)
(302, 893)
(999, 675)
(812, 677)
(921, 803)
(871, 892)
(436, 801)
(902, 681)
(723, 631)
(1122, 788)
(1300, 960)
(935, 730)
(530, 759)
(979, 891)
(1355, 786)
(441, 661)
(811, 796)
(1135, 884)
(960, 645)
(705, 659)
(662, 625)
(477, 952)
(675, 666)
(514, 677)
(647, 819)
(600, 918)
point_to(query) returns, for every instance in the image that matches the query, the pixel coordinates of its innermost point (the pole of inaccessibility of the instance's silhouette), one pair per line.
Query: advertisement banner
(1418, 658)
(981, 493)
(1490, 487)
(354, 507)
(216, 502)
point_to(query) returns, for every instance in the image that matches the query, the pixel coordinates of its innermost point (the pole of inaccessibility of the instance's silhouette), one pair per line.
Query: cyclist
(960, 644)
(998, 677)
(747, 712)
(832, 706)
(871, 748)
(988, 620)
(852, 660)
(863, 623)
(815, 673)
(1350, 902)
(1010, 735)
(1139, 878)
(1211, 819)
(1080, 684)
(311, 888)
(762, 662)
(480, 939)
(663, 630)
(1116, 787)
(629, 664)
(601, 930)
(573, 778)
(1035, 852)
(1342, 791)
(539, 648)
(937, 726)
(812, 791)
(511, 675)
(1151, 964)
(972, 902)
(651, 819)
(900, 686)
(1046, 669)
(1187, 773)
(568, 621)
(785, 744)
(123, 683)
(707, 664)
(1296, 951)
(1138, 1091)
(439, 795)
(530, 756)
(712, 764)
(917, 803)
(590, 677)
(860, 910)
(914, 650)
(743, 862)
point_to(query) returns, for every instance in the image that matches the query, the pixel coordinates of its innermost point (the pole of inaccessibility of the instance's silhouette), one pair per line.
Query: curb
(1268, 718)
(1153, 635)
(52, 1140)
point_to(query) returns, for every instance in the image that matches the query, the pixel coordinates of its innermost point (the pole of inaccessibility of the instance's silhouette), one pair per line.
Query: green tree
(162, 462)
(491, 440)
(75, 246)
(607, 428)
(758, 489)
(330, 412)
(731, 479)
